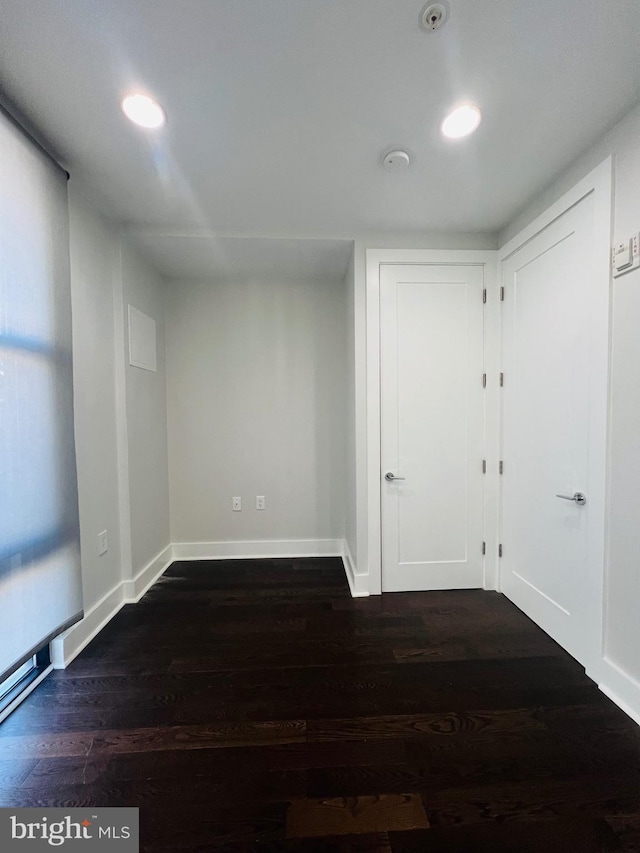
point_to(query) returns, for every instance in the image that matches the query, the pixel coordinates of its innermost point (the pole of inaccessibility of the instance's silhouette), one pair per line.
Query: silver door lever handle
(578, 497)
(389, 477)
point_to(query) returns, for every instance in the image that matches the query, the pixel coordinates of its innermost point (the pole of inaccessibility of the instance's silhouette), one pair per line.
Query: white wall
(146, 417)
(93, 247)
(256, 407)
(120, 425)
(620, 674)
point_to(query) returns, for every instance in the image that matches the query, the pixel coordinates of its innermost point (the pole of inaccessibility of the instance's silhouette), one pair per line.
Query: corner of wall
(358, 584)
(66, 647)
(93, 243)
(144, 491)
(620, 686)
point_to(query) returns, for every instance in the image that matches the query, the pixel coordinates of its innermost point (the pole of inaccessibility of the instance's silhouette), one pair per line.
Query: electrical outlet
(103, 543)
(236, 504)
(260, 504)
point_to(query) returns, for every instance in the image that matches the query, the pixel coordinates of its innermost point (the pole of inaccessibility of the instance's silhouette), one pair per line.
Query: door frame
(375, 258)
(600, 183)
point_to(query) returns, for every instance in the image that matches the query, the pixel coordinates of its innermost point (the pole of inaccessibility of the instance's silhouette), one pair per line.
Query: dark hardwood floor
(253, 705)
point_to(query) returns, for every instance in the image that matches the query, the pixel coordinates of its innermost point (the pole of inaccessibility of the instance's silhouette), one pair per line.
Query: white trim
(374, 258)
(122, 425)
(492, 360)
(620, 687)
(267, 549)
(599, 182)
(135, 589)
(358, 584)
(26, 692)
(68, 645)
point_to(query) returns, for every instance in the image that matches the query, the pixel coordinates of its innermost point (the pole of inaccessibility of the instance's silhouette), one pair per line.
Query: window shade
(40, 578)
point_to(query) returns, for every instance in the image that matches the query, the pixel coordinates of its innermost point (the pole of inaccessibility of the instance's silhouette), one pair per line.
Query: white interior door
(554, 425)
(432, 410)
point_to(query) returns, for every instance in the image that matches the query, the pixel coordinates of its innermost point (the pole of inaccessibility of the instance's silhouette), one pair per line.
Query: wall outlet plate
(236, 504)
(260, 502)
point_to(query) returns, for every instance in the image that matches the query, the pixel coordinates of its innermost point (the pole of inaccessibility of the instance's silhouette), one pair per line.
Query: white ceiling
(279, 110)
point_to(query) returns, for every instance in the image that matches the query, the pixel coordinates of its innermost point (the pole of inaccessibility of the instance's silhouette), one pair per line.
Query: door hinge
(484, 466)
(499, 550)
(501, 379)
(501, 467)
(484, 296)
(502, 294)
(484, 380)
(484, 547)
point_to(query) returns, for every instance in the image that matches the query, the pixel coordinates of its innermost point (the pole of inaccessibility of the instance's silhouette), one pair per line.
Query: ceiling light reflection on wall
(461, 122)
(144, 111)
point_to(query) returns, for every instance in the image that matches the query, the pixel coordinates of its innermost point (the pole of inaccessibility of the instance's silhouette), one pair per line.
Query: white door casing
(432, 425)
(555, 361)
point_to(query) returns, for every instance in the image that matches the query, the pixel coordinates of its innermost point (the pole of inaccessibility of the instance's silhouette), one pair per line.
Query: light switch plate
(622, 255)
(626, 255)
(103, 543)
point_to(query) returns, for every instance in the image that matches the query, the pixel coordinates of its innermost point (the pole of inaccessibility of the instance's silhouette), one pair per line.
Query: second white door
(555, 338)
(432, 410)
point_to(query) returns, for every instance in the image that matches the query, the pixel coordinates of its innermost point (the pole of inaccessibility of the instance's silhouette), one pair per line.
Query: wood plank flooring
(254, 706)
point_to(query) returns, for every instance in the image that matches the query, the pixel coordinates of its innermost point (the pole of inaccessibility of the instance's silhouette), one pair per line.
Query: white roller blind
(40, 579)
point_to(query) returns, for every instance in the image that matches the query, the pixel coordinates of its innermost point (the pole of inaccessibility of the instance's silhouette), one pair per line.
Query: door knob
(579, 497)
(389, 477)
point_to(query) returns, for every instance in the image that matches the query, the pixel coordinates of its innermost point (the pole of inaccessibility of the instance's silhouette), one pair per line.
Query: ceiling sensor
(433, 16)
(394, 161)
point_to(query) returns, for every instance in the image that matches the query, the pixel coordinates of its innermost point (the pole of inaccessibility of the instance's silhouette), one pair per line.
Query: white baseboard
(267, 549)
(358, 584)
(620, 687)
(135, 589)
(68, 645)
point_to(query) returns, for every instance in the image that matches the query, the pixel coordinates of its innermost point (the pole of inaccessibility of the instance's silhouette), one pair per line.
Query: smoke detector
(396, 160)
(433, 16)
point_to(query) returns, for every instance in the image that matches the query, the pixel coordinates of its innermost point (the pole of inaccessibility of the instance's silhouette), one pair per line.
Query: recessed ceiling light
(461, 122)
(143, 110)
